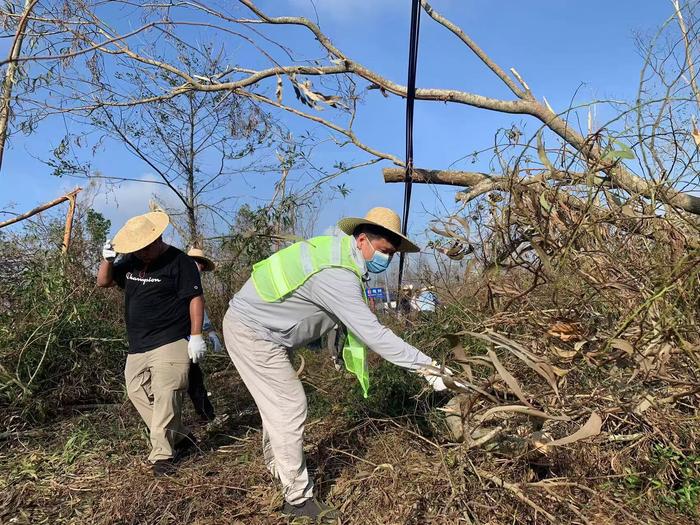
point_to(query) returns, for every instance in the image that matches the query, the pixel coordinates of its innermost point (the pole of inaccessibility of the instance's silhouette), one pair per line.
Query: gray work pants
(272, 381)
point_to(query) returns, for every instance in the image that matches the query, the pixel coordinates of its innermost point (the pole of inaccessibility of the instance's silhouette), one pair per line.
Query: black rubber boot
(164, 467)
(185, 447)
(318, 511)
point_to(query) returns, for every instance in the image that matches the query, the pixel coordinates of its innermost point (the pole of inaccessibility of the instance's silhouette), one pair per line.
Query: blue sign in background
(376, 293)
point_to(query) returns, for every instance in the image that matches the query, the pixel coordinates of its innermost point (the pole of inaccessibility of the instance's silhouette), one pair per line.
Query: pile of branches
(573, 332)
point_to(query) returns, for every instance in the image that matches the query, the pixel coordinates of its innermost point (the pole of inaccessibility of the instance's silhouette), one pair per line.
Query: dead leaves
(591, 428)
(505, 289)
(648, 361)
(481, 419)
(490, 413)
(566, 331)
(311, 98)
(456, 251)
(623, 345)
(508, 378)
(307, 95)
(547, 371)
(695, 134)
(650, 401)
(475, 398)
(278, 90)
(456, 229)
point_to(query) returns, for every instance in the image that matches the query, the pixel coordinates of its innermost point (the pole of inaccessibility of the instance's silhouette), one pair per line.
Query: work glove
(196, 348)
(434, 379)
(215, 341)
(108, 253)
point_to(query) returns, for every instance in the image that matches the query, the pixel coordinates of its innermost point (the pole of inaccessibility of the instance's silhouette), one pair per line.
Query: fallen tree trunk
(451, 178)
(70, 197)
(39, 209)
(478, 183)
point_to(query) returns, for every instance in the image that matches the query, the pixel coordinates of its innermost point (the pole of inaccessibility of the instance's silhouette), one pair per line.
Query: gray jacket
(329, 297)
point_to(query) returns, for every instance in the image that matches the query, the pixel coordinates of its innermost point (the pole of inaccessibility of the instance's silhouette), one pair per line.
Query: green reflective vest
(283, 272)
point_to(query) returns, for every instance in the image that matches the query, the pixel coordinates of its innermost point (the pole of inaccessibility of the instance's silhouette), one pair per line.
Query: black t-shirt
(157, 298)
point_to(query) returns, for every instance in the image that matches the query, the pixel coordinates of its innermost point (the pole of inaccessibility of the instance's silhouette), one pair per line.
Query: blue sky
(563, 49)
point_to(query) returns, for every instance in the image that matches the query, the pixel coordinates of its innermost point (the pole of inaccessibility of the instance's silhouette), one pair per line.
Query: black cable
(410, 99)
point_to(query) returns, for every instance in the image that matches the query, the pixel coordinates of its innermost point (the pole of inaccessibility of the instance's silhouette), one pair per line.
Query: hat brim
(209, 265)
(349, 224)
(123, 242)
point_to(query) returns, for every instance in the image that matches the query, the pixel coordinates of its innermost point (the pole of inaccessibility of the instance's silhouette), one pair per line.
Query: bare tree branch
(9, 80)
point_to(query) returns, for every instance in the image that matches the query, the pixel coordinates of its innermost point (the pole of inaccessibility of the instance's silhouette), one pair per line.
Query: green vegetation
(676, 478)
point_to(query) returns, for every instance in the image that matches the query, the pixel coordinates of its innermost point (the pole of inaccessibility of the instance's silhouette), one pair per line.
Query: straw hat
(384, 218)
(140, 231)
(198, 255)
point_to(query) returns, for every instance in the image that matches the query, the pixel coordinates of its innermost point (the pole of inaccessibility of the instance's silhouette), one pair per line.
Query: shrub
(62, 339)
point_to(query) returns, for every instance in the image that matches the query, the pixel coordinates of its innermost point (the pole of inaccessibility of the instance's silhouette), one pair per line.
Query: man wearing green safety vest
(294, 297)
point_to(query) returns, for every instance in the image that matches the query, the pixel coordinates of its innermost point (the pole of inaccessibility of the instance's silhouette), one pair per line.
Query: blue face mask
(379, 262)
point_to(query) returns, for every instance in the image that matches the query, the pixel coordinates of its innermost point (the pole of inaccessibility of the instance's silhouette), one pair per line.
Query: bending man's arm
(339, 291)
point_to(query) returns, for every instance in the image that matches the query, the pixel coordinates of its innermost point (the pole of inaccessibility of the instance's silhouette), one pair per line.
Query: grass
(677, 478)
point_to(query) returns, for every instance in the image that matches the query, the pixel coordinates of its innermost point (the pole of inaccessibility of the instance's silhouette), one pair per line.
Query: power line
(410, 99)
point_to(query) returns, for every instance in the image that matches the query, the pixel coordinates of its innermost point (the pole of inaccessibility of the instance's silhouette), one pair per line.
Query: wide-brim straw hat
(384, 218)
(140, 231)
(198, 255)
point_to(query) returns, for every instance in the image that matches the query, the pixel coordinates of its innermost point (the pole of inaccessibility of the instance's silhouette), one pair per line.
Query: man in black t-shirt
(164, 310)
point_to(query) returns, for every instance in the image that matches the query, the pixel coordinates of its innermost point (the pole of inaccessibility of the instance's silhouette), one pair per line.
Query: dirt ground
(90, 467)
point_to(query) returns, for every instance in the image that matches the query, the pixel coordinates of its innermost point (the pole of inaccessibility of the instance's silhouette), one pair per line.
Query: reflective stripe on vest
(283, 272)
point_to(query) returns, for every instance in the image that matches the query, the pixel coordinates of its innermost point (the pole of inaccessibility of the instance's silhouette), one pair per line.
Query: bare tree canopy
(79, 54)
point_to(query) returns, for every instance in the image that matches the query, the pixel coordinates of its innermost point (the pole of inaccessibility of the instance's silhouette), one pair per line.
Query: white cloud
(118, 203)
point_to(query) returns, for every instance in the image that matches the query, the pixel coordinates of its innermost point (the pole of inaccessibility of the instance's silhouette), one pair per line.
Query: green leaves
(97, 226)
(342, 189)
(624, 152)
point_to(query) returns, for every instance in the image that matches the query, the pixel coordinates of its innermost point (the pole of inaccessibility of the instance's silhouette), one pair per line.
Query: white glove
(108, 253)
(435, 381)
(196, 348)
(215, 341)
